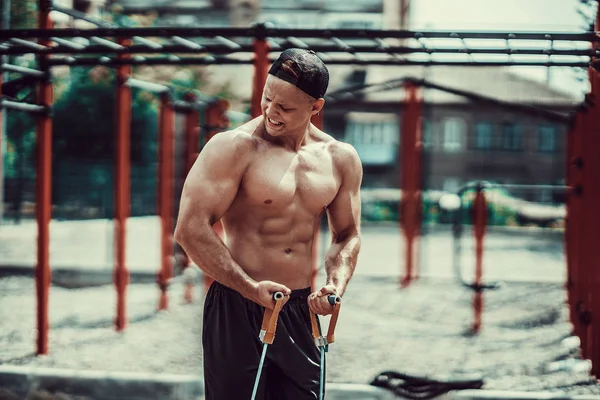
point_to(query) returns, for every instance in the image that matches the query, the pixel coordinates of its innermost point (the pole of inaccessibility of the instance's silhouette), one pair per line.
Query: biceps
(206, 195)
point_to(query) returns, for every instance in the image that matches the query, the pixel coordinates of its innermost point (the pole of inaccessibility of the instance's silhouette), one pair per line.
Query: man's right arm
(208, 191)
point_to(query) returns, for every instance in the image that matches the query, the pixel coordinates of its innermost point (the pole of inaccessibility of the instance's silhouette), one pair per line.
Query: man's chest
(280, 179)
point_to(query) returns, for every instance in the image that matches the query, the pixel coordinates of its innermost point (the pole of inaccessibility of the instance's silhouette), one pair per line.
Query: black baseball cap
(308, 72)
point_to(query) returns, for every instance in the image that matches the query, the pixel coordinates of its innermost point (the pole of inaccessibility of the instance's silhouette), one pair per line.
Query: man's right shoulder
(235, 143)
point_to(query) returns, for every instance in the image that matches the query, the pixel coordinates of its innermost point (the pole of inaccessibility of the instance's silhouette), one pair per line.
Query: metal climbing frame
(126, 47)
(205, 46)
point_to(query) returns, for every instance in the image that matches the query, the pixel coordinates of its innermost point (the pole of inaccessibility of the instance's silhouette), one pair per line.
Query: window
(427, 133)
(358, 24)
(547, 138)
(484, 135)
(374, 136)
(454, 131)
(512, 138)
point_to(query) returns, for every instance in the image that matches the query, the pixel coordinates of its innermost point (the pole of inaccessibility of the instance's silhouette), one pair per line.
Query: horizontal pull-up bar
(22, 70)
(227, 47)
(148, 86)
(263, 32)
(18, 106)
(29, 44)
(187, 44)
(107, 43)
(222, 60)
(77, 47)
(99, 23)
(81, 16)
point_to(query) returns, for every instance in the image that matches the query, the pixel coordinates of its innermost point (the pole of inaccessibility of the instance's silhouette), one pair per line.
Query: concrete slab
(510, 255)
(349, 391)
(100, 384)
(103, 385)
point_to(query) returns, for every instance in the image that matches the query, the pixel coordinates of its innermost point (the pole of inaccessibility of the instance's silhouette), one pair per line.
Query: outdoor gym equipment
(267, 334)
(124, 47)
(323, 342)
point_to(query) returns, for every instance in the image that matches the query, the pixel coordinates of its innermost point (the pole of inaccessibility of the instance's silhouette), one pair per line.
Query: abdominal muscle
(275, 249)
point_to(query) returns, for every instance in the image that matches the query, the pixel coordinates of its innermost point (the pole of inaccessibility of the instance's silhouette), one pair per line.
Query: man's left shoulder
(343, 152)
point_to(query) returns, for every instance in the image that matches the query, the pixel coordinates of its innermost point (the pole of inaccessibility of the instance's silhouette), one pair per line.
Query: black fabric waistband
(296, 295)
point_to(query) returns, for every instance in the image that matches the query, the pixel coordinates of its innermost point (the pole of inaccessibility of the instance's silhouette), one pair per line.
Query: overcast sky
(496, 14)
(518, 15)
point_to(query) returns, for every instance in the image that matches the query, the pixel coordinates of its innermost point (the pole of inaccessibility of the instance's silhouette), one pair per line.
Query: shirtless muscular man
(269, 182)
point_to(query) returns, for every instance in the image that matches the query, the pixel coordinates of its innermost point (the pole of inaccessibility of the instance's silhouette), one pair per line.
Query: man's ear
(317, 106)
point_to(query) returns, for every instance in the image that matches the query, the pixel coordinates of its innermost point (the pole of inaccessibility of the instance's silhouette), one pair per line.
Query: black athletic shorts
(232, 349)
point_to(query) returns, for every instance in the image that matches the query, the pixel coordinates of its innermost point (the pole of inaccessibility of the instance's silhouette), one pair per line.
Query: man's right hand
(265, 291)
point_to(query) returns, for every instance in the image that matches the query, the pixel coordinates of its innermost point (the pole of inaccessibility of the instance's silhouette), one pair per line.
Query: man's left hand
(318, 303)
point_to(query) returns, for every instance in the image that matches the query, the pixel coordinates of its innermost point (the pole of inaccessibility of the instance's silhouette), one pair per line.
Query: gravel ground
(422, 330)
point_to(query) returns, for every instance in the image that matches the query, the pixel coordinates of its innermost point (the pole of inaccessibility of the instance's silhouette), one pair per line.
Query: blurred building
(364, 14)
(464, 140)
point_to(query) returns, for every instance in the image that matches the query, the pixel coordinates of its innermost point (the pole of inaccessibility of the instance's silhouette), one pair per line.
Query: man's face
(285, 108)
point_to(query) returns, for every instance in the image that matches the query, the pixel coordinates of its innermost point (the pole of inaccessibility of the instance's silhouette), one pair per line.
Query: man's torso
(270, 226)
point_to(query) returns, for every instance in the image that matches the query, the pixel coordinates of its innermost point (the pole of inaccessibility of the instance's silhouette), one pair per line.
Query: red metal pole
(479, 230)
(317, 121)
(573, 223)
(592, 189)
(261, 69)
(44, 188)
(122, 183)
(166, 172)
(410, 158)
(585, 247)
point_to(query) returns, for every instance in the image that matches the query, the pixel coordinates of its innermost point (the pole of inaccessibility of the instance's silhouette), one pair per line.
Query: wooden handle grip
(269, 323)
(337, 304)
(315, 326)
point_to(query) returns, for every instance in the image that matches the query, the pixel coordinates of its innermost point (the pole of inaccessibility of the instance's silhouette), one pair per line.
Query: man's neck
(292, 141)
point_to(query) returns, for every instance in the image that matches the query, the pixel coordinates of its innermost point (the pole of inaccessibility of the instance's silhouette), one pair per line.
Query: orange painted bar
(317, 120)
(573, 221)
(261, 68)
(166, 192)
(122, 184)
(43, 190)
(592, 186)
(586, 246)
(479, 230)
(410, 180)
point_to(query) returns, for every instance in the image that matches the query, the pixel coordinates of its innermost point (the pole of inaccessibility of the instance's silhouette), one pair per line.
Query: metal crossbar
(204, 46)
(212, 60)
(19, 106)
(22, 70)
(263, 31)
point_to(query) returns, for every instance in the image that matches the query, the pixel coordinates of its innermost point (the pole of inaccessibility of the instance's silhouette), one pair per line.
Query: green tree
(23, 14)
(84, 142)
